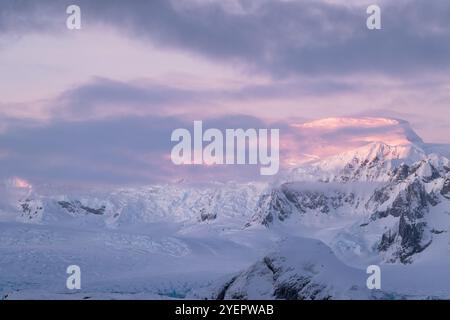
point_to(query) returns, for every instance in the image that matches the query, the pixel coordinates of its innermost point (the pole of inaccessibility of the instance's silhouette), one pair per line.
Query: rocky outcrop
(315, 274)
(30, 209)
(445, 191)
(295, 199)
(78, 208)
(408, 195)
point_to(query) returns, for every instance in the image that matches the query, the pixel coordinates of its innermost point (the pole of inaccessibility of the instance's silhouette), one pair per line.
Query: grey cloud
(87, 151)
(22, 16)
(119, 151)
(285, 37)
(82, 100)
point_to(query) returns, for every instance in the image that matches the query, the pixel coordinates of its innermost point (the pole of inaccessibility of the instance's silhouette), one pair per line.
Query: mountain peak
(320, 139)
(378, 150)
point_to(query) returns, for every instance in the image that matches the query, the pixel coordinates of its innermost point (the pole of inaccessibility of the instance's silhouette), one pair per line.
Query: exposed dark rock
(29, 209)
(292, 289)
(98, 211)
(387, 239)
(204, 216)
(286, 200)
(411, 239)
(76, 206)
(68, 206)
(401, 173)
(223, 291)
(273, 203)
(434, 174)
(445, 191)
(410, 206)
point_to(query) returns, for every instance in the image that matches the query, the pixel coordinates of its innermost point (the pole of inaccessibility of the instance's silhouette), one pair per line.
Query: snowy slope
(298, 269)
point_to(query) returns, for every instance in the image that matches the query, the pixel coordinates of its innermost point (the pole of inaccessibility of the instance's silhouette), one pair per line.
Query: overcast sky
(97, 105)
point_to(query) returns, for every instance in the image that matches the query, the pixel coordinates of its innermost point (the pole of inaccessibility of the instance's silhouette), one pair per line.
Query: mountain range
(310, 233)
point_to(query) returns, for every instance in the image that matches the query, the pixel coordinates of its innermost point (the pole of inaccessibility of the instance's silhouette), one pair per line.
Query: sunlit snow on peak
(327, 137)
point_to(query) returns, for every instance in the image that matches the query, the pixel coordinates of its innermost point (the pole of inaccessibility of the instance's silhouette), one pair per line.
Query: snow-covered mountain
(385, 197)
(310, 234)
(298, 269)
(128, 206)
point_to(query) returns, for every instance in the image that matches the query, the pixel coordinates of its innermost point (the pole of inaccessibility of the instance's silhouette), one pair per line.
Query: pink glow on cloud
(50, 70)
(311, 141)
(34, 80)
(19, 183)
(322, 138)
(335, 123)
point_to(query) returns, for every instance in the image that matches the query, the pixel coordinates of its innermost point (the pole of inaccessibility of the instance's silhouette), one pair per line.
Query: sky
(98, 105)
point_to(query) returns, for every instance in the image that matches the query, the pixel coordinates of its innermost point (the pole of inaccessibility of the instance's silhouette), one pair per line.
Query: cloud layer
(98, 105)
(279, 37)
